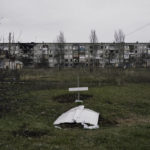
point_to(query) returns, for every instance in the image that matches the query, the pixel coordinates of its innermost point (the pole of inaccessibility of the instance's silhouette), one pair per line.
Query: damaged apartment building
(77, 54)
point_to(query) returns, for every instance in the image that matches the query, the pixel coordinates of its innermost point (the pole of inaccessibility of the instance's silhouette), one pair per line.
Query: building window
(45, 46)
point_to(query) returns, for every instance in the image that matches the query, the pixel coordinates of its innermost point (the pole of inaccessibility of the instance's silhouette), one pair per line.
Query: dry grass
(28, 110)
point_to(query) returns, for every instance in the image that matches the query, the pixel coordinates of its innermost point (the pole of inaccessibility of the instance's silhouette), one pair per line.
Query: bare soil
(70, 98)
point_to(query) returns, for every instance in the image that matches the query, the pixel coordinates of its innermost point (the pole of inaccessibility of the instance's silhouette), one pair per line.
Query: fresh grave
(79, 115)
(70, 97)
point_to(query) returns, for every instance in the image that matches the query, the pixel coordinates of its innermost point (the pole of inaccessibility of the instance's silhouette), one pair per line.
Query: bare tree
(61, 38)
(93, 37)
(93, 48)
(60, 45)
(119, 37)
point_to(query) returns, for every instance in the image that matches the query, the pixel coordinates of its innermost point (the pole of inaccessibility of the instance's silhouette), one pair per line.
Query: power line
(1, 19)
(138, 29)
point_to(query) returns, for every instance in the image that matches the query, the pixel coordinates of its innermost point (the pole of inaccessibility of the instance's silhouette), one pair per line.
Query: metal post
(78, 84)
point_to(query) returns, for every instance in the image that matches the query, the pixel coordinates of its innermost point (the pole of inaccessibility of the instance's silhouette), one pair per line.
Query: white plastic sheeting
(88, 118)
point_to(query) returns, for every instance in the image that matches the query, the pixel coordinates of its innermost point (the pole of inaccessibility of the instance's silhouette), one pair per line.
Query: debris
(43, 113)
(86, 117)
(57, 127)
(90, 127)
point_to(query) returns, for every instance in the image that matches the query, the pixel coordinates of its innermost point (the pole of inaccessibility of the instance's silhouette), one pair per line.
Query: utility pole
(10, 40)
(13, 38)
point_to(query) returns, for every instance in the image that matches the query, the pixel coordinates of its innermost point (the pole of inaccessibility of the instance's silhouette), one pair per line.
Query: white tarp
(88, 118)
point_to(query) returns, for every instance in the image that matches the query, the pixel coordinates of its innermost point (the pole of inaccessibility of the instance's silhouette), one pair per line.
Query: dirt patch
(106, 122)
(5, 108)
(70, 125)
(69, 98)
(134, 119)
(29, 133)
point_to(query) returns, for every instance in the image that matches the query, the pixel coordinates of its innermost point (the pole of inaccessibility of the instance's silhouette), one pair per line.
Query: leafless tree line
(119, 39)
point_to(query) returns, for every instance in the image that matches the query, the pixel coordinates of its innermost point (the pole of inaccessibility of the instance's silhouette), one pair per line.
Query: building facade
(75, 54)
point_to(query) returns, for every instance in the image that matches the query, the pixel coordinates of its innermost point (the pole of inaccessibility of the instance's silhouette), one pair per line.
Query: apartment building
(74, 54)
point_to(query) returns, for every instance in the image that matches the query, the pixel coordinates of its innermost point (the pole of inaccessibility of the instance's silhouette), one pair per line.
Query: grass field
(28, 109)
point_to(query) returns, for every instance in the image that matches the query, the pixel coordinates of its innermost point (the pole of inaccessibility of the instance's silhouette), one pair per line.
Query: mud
(106, 122)
(70, 125)
(70, 98)
(29, 133)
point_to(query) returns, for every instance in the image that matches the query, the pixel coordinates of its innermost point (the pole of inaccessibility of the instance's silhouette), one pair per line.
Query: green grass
(30, 107)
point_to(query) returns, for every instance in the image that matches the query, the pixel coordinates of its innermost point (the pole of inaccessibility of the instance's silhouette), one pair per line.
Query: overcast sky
(41, 20)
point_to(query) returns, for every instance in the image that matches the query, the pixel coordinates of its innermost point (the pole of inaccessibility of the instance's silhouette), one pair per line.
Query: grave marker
(78, 89)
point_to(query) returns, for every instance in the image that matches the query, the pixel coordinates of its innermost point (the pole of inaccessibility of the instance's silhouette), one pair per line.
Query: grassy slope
(24, 107)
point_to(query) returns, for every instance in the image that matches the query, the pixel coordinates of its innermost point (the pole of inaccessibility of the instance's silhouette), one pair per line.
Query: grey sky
(41, 20)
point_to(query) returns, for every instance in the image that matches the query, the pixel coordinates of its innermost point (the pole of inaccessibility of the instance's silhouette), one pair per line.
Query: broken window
(131, 47)
(45, 46)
